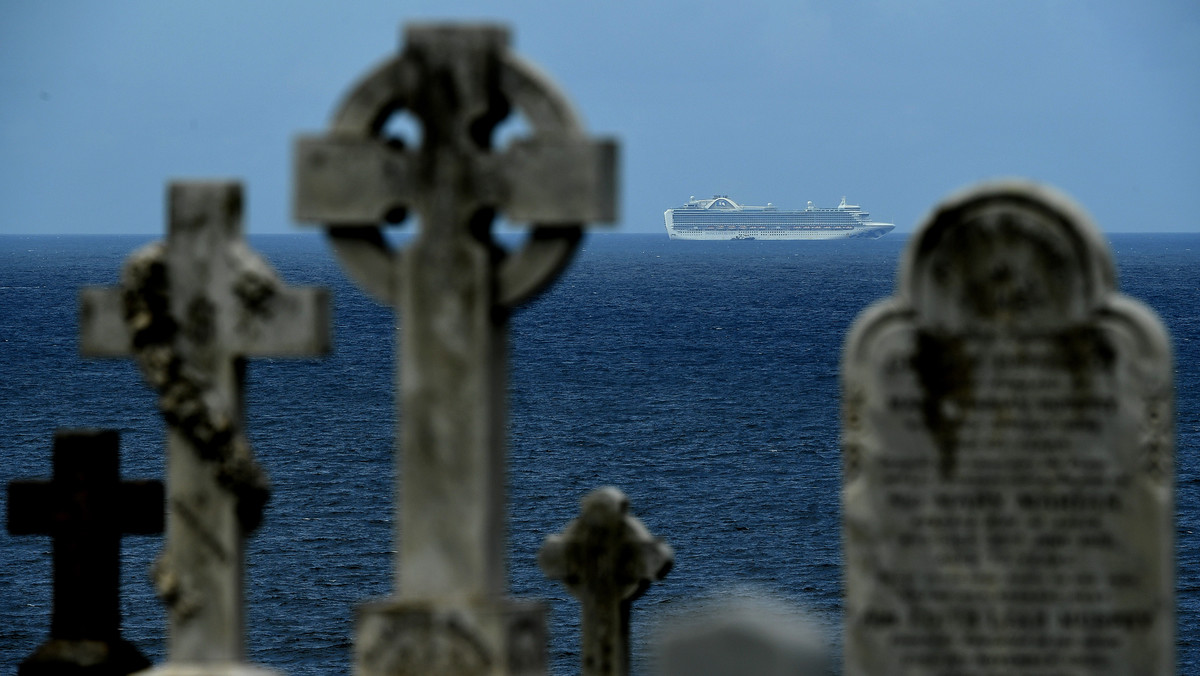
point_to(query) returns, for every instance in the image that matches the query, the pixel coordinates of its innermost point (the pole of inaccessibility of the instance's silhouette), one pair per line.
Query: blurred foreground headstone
(742, 636)
(1008, 454)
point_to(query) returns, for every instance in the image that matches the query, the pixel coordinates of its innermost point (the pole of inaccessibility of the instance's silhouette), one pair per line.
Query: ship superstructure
(721, 218)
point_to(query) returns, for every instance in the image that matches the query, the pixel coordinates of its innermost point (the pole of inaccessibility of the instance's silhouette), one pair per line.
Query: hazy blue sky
(893, 104)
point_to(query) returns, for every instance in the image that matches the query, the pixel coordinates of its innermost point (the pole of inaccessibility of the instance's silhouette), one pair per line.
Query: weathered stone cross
(455, 288)
(192, 310)
(85, 508)
(607, 559)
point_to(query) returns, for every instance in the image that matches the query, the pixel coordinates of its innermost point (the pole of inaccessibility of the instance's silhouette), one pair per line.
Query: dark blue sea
(700, 378)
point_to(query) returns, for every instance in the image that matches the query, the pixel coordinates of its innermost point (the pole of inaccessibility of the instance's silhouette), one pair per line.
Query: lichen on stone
(187, 398)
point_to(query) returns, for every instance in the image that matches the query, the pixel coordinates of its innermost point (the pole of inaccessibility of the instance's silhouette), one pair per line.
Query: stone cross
(607, 559)
(192, 310)
(85, 508)
(455, 288)
(1008, 454)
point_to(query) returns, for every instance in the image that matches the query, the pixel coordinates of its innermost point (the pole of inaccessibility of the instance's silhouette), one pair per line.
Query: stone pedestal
(399, 638)
(83, 657)
(208, 669)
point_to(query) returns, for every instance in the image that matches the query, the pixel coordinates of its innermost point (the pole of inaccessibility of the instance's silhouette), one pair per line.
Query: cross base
(58, 656)
(208, 669)
(503, 637)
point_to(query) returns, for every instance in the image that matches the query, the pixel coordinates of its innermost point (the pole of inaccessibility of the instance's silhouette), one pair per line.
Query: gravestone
(192, 310)
(454, 288)
(1008, 454)
(742, 636)
(607, 559)
(85, 508)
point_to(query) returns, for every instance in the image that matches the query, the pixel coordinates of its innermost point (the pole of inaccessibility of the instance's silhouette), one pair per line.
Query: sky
(893, 104)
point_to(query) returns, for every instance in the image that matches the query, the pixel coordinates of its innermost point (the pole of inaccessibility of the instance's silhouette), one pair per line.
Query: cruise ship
(722, 218)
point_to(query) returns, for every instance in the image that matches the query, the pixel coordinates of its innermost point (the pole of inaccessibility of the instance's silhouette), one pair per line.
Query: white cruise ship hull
(767, 223)
(752, 233)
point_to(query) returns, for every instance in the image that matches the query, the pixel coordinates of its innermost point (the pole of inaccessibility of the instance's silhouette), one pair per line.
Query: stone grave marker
(607, 559)
(454, 288)
(86, 508)
(192, 311)
(1008, 454)
(743, 636)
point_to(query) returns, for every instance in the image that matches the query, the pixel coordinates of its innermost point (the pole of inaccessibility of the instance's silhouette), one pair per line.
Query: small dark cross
(85, 508)
(607, 559)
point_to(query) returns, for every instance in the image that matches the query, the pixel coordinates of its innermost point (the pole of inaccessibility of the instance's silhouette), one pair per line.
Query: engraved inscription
(1019, 544)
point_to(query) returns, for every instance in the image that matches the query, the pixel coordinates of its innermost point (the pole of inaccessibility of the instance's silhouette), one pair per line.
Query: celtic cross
(607, 559)
(453, 285)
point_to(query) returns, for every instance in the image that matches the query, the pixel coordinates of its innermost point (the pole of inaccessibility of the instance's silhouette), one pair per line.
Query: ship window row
(743, 224)
(702, 228)
(767, 221)
(789, 226)
(763, 225)
(763, 215)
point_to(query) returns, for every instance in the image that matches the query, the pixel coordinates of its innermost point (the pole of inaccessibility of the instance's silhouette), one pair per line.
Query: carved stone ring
(458, 82)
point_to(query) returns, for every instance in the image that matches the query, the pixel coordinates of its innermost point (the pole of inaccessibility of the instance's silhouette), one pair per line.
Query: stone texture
(607, 559)
(743, 636)
(85, 509)
(455, 288)
(489, 637)
(192, 310)
(1008, 454)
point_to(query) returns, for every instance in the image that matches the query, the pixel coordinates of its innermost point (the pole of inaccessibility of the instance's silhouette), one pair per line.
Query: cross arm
(102, 328)
(39, 508)
(544, 180)
(30, 508)
(274, 320)
(606, 548)
(293, 322)
(349, 181)
(552, 559)
(140, 507)
(560, 180)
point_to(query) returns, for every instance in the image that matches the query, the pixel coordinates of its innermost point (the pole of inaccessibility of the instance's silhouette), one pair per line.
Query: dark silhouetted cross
(85, 508)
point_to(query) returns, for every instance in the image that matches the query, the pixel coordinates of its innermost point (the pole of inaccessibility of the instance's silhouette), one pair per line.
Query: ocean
(701, 378)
